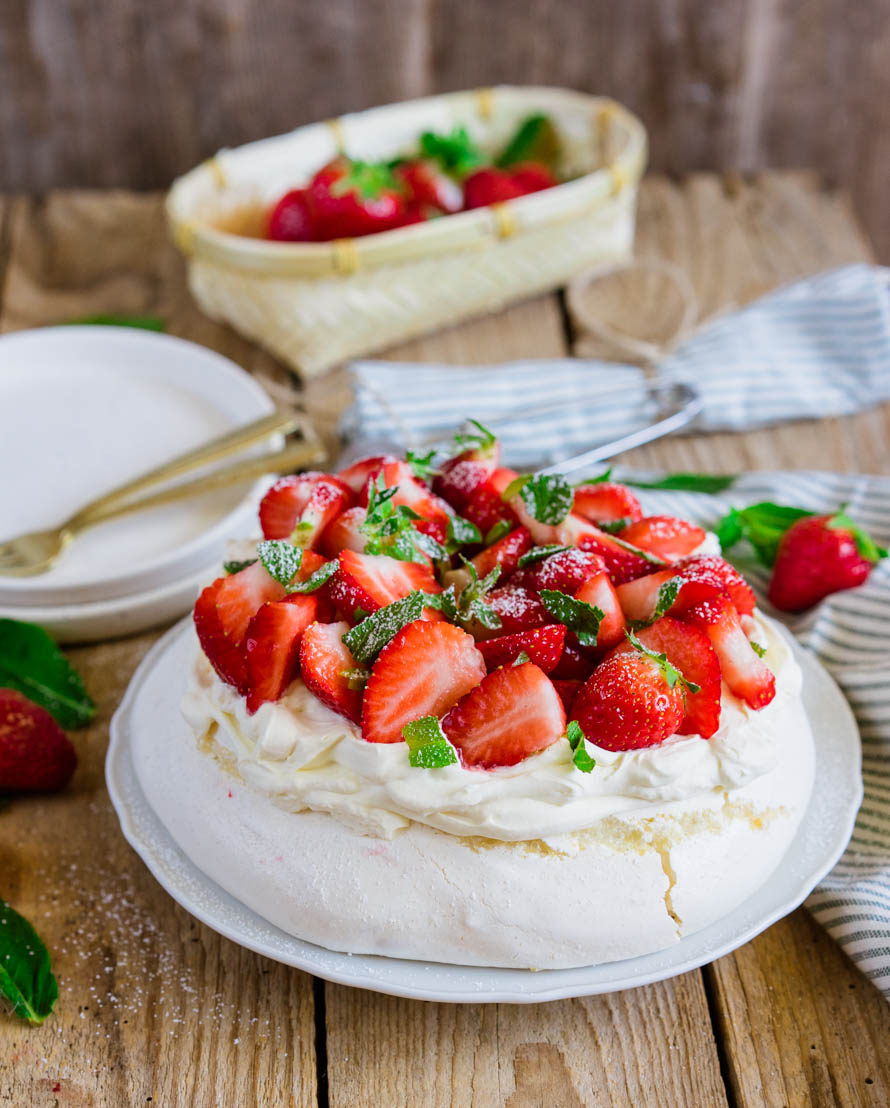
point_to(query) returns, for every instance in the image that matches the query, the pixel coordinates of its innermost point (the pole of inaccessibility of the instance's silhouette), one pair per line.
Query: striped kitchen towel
(820, 347)
(850, 634)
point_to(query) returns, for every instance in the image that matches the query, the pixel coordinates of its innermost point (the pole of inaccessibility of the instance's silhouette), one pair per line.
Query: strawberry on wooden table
(543, 646)
(422, 671)
(272, 646)
(371, 581)
(668, 537)
(818, 556)
(746, 674)
(35, 753)
(513, 713)
(329, 670)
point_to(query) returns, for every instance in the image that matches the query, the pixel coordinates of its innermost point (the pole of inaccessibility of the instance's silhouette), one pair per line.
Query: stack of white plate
(84, 409)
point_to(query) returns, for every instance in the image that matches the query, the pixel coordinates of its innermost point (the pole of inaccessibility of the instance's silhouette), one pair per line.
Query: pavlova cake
(448, 712)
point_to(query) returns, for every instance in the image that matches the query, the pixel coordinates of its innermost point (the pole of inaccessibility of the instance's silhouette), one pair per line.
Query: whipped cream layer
(305, 756)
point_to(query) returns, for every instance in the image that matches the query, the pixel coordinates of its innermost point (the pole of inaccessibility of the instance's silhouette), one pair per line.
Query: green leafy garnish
(539, 553)
(581, 756)
(865, 544)
(481, 439)
(32, 663)
(368, 638)
(521, 659)
(646, 555)
(667, 596)
(757, 648)
(500, 530)
(763, 525)
(461, 532)
(315, 580)
(688, 482)
(391, 531)
(547, 496)
(236, 566)
(427, 745)
(614, 526)
(471, 605)
(671, 674)
(368, 179)
(281, 559)
(421, 464)
(143, 322)
(535, 140)
(579, 616)
(456, 152)
(26, 977)
(600, 479)
(355, 678)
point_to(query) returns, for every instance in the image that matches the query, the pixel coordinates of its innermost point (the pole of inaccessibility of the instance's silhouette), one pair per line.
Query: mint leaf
(671, 674)
(144, 322)
(539, 553)
(579, 616)
(421, 464)
(667, 596)
(26, 977)
(548, 497)
(614, 526)
(355, 678)
(368, 638)
(281, 559)
(688, 482)
(534, 140)
(500, 530)
(461, 532)
(600, 479)
(427, 744)
(521, 659)
(757, 648)
(581, 756)
(444, 602)
(471, 605)
(481, 440)
(455, 152)
(865, 544)
(391, 530)
(763, 525)
(315, 580)
(32, 663)
(237, 566)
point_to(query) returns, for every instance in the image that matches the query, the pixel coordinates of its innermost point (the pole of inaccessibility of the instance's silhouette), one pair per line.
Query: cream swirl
(305, 756)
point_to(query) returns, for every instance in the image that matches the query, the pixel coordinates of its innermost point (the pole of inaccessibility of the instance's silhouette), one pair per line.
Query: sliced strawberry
(709, 569)
(566, 571)
(501, 478)
(606, 502)
(505, 553)
(345, 533)
(358, 474)
(601, 593)
(272, 647)
(666, 536)
(328, 498)
(280, 508)
(35, 753)
(325, 666)
(371, 581)
(520, 609)
(422, 671)
(567, 690)
(746, 674)
(543, 646)
(486, 509)
(513, 713)
(638, 599)
(574, 664)
(310, 562)
(628, 703)
(689, 649)
(624, 562)
(224, 655)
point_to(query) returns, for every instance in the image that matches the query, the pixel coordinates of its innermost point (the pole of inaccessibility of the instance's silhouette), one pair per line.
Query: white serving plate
(85, 409)
(152, 703)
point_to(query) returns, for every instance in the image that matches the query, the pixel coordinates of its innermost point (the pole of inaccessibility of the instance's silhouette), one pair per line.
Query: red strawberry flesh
(543, 646)
(325, 663)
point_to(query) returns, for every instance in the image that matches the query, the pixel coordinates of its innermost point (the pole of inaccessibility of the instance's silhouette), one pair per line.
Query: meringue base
(633, 884)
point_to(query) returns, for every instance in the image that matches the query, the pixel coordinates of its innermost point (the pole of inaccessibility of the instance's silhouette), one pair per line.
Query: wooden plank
(798, 1023)
(151, 1002)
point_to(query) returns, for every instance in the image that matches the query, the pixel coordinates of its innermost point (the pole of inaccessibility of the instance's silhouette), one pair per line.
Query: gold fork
(33, 553)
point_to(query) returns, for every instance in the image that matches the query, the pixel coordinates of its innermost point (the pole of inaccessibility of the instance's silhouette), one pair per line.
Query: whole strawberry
(820, 555)
(632, 700)
(35, 753)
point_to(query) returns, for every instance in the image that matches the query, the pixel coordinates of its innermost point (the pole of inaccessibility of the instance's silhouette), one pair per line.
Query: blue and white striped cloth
(818, 348)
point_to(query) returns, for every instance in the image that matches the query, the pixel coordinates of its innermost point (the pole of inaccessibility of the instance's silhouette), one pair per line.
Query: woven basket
(317, 304)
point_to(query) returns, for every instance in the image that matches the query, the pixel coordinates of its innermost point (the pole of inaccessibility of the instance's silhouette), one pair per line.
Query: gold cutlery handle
(277, 422)
(290, 458)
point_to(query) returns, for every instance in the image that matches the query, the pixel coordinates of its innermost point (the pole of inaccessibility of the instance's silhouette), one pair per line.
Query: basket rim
(468, 230)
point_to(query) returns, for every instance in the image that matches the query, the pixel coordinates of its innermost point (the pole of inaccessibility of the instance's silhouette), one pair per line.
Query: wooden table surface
(156, 1008)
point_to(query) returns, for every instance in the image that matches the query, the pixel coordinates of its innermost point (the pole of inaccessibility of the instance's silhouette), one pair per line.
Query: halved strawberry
(513, 713)
(309, 563)
(566, 571)
(501, 478)
(567, 690)
(224, 655)
(422, 671)
(520, 609)
(411, 492)
(710, 569)
(600, 592)
(746, 674)
(371, 581)
(628, 703)
(486, 509)
(689, 649)
(459, 479)
(272, 647)
(668, 537)
(543, 646)
(606, 502)
(574, 664)
(345, 533)
(326, 665)
(505, 553)
(357, 475)
(328, 498)
(623, 561)
(638, 599)
(280, 508)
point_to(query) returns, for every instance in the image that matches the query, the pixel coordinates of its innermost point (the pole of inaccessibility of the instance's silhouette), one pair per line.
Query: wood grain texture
(120, 94)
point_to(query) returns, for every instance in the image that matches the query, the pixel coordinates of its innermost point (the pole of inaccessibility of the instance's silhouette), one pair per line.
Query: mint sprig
(581, 756)
(32, 663)
(471, 605)
(480, 439)
(26, 977)
(390, 528)
(428, 745)
(762, 524)
(578, 616)
(461, 532)
(548, 497)
(281, 559)
(421, 464)
(317, 579)
(664, 601)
